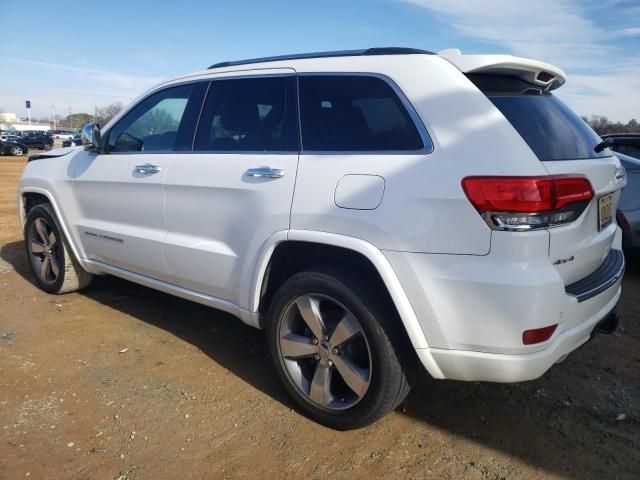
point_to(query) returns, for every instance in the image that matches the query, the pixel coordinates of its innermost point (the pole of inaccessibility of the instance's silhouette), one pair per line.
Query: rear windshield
(550, 128)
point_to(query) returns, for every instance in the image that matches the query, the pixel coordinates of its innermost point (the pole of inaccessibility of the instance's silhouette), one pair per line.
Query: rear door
(224, 199)
(565, 144)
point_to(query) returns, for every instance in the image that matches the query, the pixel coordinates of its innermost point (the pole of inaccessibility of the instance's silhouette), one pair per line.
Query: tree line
(76, 121)
(602, 125)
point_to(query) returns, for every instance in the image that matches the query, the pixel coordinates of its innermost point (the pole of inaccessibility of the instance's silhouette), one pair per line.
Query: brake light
(544, 77)
(538, 335)
(524, 203)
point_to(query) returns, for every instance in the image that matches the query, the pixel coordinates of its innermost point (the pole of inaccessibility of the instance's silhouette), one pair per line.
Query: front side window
(249, 114)
(354, 113)
(153, 124)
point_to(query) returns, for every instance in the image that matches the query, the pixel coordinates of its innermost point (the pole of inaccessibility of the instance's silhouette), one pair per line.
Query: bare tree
(105, 114)
(602, 125)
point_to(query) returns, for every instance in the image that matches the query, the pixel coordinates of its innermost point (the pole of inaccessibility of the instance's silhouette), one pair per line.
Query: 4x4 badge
(560, 261)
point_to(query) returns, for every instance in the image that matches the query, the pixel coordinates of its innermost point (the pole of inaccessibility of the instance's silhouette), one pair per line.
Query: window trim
(427, 143)
(245, 76)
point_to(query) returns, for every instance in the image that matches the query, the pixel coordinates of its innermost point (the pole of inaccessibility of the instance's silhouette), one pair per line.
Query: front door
(119, 191)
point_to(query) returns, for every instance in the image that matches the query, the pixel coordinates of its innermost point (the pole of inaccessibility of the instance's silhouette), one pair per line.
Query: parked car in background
(63, 134)
(38, 140)
(628, 214)
(625, 143)
(12, 147)
(8, 137)
(368, 209)
(74, 141)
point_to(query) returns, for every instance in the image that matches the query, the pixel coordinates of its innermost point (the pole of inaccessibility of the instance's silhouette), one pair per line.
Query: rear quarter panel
(423, 208)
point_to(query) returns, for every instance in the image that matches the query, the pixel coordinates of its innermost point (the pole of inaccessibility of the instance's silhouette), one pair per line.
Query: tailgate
(579, 248)
(565, 145)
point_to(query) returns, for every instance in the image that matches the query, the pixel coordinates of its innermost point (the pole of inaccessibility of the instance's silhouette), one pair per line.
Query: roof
(337, 53)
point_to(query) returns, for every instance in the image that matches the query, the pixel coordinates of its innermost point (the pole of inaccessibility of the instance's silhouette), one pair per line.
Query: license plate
(604, 211)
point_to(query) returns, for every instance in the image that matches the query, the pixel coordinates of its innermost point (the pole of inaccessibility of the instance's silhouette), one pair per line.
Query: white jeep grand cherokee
(371, 210)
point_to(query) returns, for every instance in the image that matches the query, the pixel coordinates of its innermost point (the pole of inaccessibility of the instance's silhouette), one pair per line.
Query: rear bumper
(473, 310)
(504, 368)
(604, 277)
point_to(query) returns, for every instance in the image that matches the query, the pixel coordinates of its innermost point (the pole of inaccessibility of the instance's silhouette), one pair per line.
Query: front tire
(47, 147)
(50, 258)
(339, 350)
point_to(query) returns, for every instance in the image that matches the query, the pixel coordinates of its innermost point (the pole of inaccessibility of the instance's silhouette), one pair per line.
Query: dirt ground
(123, 382)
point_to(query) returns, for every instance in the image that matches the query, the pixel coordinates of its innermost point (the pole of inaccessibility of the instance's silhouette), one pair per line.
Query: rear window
(550, 128)
(354, 113)
(249, 114)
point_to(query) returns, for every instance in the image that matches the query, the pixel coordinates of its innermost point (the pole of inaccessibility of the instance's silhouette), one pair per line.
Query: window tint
(354, 113)
(250, 114)
(550, 128)
(153, 124)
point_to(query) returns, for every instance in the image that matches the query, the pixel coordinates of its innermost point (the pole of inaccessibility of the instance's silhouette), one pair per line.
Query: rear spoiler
(537, 73)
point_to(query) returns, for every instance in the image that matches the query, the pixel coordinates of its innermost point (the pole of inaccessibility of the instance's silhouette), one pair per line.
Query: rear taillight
(525, 203)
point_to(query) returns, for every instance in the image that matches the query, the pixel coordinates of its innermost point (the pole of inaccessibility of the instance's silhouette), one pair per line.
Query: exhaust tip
(609, 323)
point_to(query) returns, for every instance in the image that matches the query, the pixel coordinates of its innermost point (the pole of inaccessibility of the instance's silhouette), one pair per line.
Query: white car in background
(9, 138)
(64, 135)
(372, 210)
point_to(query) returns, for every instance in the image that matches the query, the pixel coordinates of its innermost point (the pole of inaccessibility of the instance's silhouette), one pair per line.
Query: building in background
(10, 121)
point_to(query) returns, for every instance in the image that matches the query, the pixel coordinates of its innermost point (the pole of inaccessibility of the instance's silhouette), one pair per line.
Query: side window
(153, 124)
(249, 114)
(354, 113)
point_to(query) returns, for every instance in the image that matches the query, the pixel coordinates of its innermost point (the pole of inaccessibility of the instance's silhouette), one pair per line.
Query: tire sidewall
(41, 211)
(381, 378)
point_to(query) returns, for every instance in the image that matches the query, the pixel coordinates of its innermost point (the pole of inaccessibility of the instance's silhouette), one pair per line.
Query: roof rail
(337, 53)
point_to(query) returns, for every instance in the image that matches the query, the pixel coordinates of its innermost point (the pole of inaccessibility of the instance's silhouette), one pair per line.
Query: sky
(79, 55)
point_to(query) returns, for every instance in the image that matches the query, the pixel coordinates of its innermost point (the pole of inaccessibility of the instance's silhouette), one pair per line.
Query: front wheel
(16, 151)
(46, 146)
(339, 351)
(50, 258)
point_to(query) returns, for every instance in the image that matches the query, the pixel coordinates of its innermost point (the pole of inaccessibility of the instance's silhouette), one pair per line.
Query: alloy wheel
(45, 251)
(324, 352)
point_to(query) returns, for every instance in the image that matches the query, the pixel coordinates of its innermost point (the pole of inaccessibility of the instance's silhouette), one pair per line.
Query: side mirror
(91, 136)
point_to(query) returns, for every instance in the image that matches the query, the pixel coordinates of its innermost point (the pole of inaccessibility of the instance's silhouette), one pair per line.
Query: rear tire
(339, 348)
(50, 258)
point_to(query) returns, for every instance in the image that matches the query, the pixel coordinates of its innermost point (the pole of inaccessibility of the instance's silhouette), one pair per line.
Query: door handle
(266, 172)
(147, 168)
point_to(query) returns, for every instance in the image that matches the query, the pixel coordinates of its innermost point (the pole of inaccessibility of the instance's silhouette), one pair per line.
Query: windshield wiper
(607, 142)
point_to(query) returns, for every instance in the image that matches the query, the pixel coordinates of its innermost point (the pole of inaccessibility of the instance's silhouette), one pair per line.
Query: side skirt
(246, 316)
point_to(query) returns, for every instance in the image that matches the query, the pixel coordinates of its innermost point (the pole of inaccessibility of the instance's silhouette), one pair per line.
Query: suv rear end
(554, 266)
